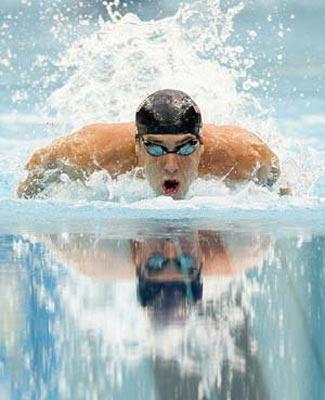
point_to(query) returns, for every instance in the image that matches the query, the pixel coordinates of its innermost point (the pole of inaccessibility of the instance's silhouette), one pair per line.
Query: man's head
(169, 141)
(169, 271)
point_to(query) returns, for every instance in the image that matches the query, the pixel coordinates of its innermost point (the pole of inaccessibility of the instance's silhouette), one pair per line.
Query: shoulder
(232, 136)
(235, 152)
(122, 127)
(210, 130)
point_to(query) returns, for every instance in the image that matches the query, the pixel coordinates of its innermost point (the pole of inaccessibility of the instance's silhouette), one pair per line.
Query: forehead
(169, 138)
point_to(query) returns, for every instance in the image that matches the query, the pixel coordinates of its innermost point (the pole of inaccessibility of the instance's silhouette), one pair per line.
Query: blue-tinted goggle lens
(156, 263)
(156, 150)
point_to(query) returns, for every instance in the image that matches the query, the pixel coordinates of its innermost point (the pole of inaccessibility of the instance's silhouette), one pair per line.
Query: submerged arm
(106, 260)
(231, 253)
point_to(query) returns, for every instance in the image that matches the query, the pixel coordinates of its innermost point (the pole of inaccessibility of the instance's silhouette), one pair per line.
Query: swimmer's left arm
(226, 254)
(269, 174)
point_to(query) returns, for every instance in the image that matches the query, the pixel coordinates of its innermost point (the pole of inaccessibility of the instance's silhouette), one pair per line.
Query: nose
(170, 250)
(170, 164)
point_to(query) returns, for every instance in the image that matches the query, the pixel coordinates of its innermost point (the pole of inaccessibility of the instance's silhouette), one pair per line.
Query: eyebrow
(154, 140)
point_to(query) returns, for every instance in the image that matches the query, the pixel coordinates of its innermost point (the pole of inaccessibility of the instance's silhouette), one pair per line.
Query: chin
(178, 196)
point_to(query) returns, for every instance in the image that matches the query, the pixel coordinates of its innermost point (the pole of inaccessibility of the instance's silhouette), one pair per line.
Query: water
(72, 320)
(73, 324)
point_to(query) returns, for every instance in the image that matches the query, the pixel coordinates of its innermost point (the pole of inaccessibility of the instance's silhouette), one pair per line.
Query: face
(169, 260)
(170, 174)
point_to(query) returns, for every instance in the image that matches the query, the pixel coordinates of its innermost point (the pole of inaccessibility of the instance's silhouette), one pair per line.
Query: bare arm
(94, 147)
(102, 259)
(43, 169)
(236, 155)
(228, 253)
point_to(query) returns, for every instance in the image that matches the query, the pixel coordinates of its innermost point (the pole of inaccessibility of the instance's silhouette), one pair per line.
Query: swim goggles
(157, 150)
(185, 263)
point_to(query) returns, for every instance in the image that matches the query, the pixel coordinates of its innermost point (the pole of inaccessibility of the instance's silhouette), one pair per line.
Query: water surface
(87, 315)
(234, 307)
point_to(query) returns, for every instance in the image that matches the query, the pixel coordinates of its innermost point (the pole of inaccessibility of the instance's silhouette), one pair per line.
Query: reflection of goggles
(185, 263)
(189, 287)
(149, 292)
(157, 150)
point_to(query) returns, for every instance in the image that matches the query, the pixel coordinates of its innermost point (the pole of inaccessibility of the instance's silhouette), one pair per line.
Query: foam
(114, 68)
(111, 70)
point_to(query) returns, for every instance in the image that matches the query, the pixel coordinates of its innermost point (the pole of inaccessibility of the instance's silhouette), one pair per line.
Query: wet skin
(230, 153)
(111, 260)
(170, 174)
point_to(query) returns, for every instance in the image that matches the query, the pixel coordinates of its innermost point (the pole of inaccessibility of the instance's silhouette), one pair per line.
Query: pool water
(108, 292)
(78, 320)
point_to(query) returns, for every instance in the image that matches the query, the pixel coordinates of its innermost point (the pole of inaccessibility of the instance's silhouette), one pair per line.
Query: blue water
(72, 323)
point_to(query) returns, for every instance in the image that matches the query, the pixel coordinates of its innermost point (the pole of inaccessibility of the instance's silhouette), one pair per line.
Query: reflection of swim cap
(168, 111)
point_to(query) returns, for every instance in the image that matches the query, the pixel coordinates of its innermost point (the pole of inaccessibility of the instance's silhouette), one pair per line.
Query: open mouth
(170, 186)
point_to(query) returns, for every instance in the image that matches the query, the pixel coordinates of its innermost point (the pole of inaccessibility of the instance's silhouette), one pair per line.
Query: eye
(187, 148)
(154, 149)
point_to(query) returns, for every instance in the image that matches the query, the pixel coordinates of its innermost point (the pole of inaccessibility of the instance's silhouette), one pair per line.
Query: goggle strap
(138, 136)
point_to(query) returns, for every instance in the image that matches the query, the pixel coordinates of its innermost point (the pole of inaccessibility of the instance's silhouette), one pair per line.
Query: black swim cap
(168, 111)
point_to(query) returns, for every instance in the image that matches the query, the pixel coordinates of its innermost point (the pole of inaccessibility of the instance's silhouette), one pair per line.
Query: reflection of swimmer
(168, 275)
(201, 351)
(168, 269)
(168, 141)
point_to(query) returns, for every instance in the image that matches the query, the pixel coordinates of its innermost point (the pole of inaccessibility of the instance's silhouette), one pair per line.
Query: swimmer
(168, 267)
(168, 141)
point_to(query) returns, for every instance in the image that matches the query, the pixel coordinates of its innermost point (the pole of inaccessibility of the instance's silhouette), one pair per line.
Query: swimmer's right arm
(109, 147)
(43, 169)
(67, 155)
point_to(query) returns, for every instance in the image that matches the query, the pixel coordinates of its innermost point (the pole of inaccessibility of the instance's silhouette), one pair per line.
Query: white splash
(128, 335)
(126, 59)
(113, 69)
